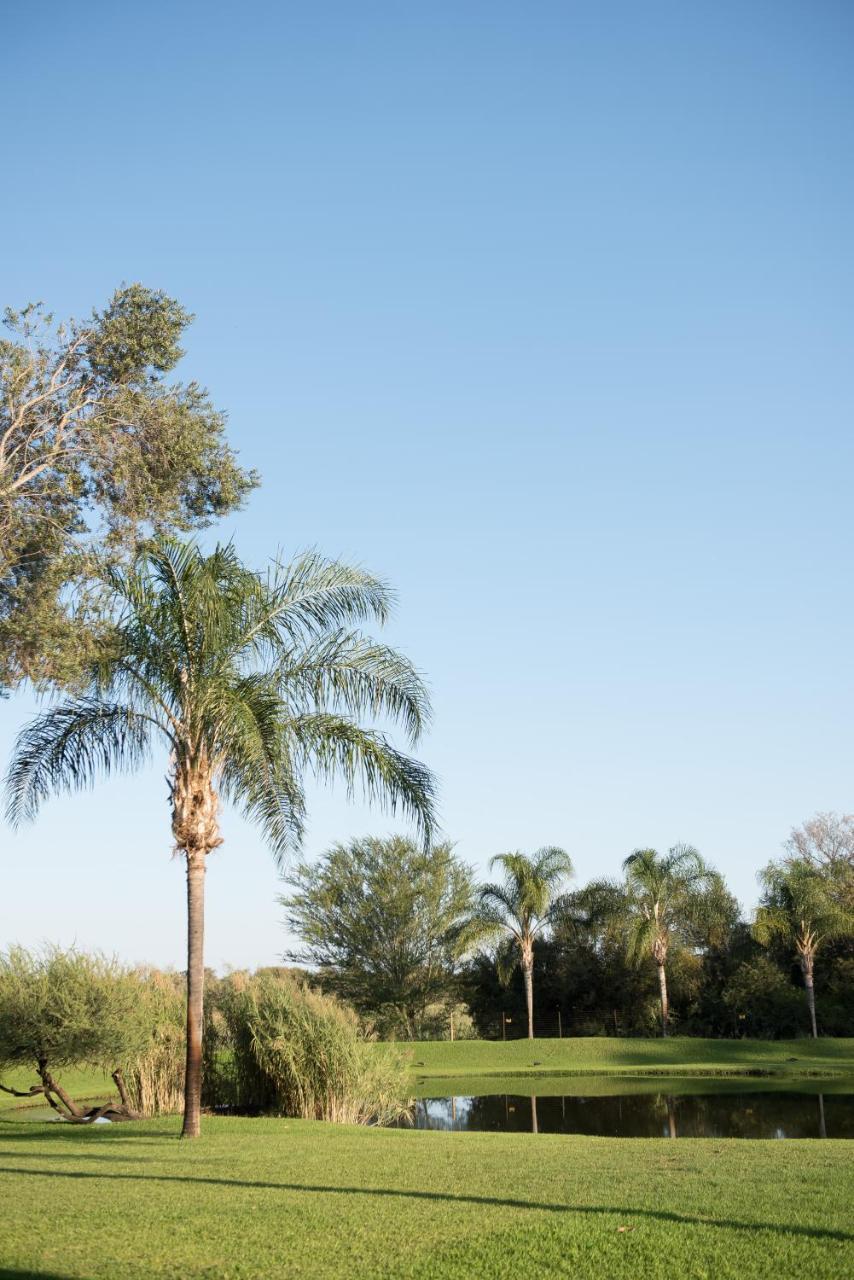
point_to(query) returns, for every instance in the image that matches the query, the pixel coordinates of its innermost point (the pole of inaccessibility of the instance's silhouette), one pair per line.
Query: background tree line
(410, 939)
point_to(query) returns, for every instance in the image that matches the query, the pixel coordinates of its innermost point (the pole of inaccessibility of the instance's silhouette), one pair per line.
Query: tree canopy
(380, 920)
(98, 450)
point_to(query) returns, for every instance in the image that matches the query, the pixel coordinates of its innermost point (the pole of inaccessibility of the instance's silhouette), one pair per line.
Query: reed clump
(281, 1046)
(155, 1076)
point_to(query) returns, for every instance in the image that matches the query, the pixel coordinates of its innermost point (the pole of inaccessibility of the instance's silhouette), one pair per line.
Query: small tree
(519, 910)
(802, 908)
(62, 1009)
(380, 920)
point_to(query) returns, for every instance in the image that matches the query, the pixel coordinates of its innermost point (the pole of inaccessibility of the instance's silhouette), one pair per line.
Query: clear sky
(544, 312)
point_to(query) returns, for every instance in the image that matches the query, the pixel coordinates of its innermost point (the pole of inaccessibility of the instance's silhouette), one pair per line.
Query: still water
(651, 1109)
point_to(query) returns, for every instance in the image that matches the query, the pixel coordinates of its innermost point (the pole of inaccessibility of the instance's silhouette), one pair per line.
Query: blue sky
(541, 311)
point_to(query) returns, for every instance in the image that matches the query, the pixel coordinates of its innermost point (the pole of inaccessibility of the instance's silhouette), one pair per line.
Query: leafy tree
(826, 843)
(518, 910)
(247, 681)
(802, 909)
(761, 1000)
(664, 899)
(64, 1008)
(96, 451)
(380, 920)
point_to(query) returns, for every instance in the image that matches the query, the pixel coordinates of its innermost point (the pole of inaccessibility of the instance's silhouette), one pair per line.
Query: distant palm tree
(664, 895)
(519, 909)
(248, 681)
(803, 908)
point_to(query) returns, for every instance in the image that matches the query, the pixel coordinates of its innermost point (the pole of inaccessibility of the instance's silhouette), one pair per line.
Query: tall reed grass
(277, 1045)
(155, 1076)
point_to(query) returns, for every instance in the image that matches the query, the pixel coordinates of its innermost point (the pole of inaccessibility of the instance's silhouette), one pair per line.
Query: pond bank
(677, 1055)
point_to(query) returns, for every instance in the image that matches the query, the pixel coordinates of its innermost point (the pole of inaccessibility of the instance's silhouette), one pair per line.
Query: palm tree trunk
(665, 1004)
(195, 993)
(810, 990)
(528, 972)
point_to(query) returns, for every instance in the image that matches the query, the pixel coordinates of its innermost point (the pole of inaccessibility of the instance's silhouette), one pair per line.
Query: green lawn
(276, 1198)
(611, 1056)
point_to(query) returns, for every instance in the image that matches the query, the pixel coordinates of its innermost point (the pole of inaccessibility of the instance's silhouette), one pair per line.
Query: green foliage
(281, 1046)
(518, 910)
(97, 451)
(255, 678)
(762, 1000)
(155, 1072)
(802, 907)
(65, 1008)
(380, 921)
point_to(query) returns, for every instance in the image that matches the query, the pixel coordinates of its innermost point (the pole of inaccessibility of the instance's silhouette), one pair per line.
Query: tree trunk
(665, 1004)
(51, 1086)
(119, 1081)
(810, 990)
(528, 973)
(195, 993)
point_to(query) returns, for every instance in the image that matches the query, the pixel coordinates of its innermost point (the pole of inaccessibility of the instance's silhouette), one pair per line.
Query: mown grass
(610, 1056)
(278, 1198)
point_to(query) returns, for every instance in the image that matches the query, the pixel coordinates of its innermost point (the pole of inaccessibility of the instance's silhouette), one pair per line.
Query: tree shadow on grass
(9, 1273)
(621, 1211)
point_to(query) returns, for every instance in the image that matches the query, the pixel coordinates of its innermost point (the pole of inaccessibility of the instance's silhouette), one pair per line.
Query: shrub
(762, 1001)
(278, 1045)
(64, 1008)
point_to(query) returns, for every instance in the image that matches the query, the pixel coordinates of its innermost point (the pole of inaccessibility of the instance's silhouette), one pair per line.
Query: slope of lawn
(610, 1056)
(276, 1198)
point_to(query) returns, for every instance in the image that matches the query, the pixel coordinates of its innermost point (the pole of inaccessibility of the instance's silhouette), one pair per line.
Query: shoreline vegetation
(570, 1058)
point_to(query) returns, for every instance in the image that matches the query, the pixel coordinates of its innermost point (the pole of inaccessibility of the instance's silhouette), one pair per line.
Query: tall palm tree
(519, 909)
(663, 896)
(248, 681)
(803, 908)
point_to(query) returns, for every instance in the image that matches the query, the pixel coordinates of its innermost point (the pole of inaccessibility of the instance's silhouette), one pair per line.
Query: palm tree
(519, 909)
(803, 908)
(248, 681)
(663, 897)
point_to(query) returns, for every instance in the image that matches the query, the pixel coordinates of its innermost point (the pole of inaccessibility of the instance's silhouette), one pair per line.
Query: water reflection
(779, 1114)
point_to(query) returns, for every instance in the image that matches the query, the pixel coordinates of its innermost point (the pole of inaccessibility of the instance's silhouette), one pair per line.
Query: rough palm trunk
(195, 993)
(665, 1004)
(809, 985)
(195, 806)
(528, 974)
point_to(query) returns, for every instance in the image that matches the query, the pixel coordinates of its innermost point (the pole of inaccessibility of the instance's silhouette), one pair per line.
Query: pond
(641, 1108)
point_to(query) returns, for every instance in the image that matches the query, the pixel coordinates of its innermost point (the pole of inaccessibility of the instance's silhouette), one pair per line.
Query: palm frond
(336, 747)
(69, 746)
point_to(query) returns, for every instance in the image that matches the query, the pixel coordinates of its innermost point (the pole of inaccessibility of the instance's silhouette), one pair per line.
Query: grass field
(275, 1198)
(610, 1056)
